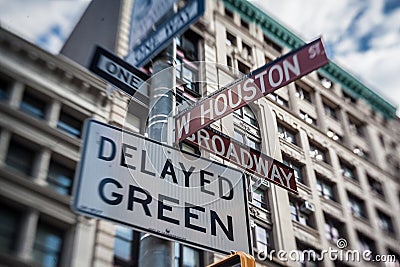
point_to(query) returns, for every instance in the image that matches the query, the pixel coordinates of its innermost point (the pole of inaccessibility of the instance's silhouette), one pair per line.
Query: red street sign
(251, 87)
(245, 157)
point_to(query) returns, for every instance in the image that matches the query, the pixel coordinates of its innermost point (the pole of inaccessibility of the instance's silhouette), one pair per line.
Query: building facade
(340, 137)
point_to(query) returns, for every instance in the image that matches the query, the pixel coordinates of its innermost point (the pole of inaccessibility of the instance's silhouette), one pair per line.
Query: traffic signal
(238, 259)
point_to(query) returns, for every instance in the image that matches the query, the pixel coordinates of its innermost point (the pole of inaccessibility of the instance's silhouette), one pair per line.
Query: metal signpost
(168, 30)
(116, 71)
(245, 157)
(126, 178)
(251, 87)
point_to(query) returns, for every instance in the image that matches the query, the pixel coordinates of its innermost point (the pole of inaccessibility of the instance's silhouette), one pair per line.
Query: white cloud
(32, 19)
(364, 40)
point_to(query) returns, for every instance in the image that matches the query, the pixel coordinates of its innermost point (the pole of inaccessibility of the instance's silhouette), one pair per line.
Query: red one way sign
(251, 87)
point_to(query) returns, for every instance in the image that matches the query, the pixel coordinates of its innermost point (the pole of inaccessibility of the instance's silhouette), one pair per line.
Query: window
(230, 39)
(382, 140)
(310, 258)
(246, 128)
(246, 50)
(238, 136)
(318, 153)
(303, 93)
(228, 13)
(385, 222)
(187, 73)
(348, 170)
(60, 178)
(243, 68)
(20, 158)
(247, 115)
(279, 100)
(187, 257)
(125, 247)
(260, 198)
(189, 148)
(33, 105)
(307, 118)
(287, 134)
(267, 59)
(325, 81)
(349, 98)
(187, 45)
(187, 51)
(336, 137)
(132, 122)
(361, 152)
(244, 24)
(300, 212)
(272, 44)
(325, 188)
(357, 206)
(69, 124)
(366, 243)
(356, 126)
(330, 111)
(229, 61)
(5, 86)
(333, 229)
(255, 144)
(262, 238)
(47, 245)
(247, 140)
(9, 219)
(375, 186)
(298, 169)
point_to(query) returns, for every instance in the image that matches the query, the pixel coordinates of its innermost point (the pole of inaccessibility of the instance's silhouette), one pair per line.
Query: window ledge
(293, 147)
(331, 207)
(29, 183)
(304, 188)
(352, 181)
(260, 213)
(326, 168)
(361, 219)
(323, 164)
(41, 125)
(306, 232)
(330, 202)
(378, 196)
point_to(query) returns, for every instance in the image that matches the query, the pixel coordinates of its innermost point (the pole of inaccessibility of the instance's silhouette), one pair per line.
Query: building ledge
(306, 233)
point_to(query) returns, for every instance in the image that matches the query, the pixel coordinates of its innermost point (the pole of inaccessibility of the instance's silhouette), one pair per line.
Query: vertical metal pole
(153, 250)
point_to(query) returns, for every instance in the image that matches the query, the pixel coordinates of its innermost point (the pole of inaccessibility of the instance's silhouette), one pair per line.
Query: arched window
(247, 115)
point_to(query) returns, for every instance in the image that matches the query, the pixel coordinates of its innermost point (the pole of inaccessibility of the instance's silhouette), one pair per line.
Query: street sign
(251, 87)
(146, 14)
(169, 29)
(155, 188)
(245, 157)
(116, 71)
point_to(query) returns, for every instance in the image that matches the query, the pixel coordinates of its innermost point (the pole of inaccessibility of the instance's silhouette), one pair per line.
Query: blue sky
(362, 36)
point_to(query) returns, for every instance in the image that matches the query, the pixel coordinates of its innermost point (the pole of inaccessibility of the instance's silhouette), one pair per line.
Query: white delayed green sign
(154, 188)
